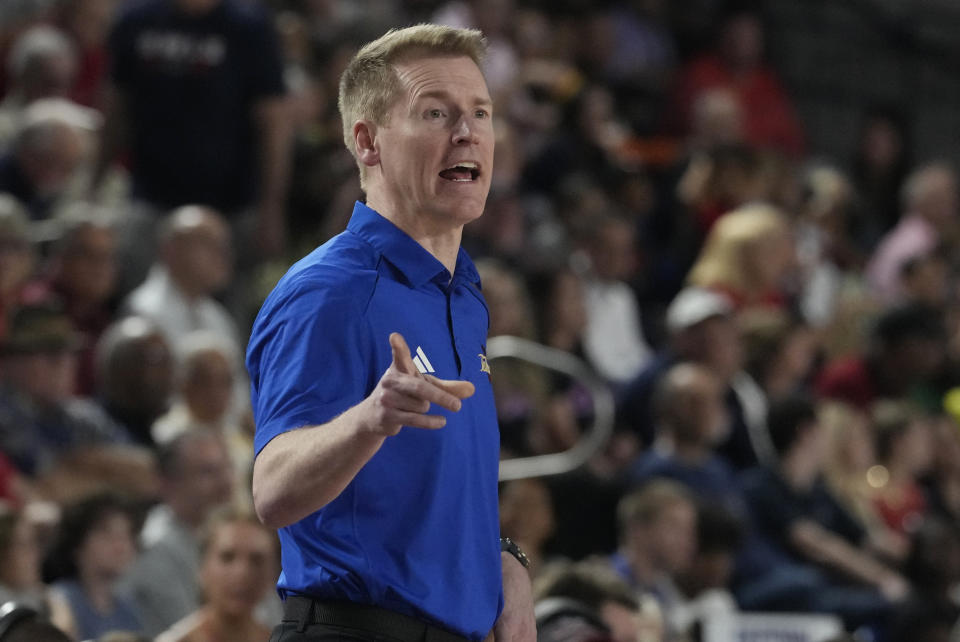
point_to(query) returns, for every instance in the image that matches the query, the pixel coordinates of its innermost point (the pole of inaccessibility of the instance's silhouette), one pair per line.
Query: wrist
(511, 548)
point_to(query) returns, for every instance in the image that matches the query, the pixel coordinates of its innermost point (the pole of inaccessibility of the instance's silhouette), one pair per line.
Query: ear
(364, 142)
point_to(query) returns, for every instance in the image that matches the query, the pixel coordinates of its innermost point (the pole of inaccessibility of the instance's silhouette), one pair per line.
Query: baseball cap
(694, 305)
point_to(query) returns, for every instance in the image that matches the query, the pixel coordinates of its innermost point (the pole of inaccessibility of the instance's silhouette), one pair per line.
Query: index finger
(401, 354)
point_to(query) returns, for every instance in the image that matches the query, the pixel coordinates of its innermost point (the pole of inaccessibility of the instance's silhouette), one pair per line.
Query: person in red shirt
(737, 63)
(906, 352)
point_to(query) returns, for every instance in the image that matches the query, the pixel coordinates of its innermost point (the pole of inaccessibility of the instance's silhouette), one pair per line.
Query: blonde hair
(736, 233)
(370, 84)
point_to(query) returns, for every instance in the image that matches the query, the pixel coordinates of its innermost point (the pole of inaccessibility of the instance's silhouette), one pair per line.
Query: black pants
(306, 620)
(287, 632)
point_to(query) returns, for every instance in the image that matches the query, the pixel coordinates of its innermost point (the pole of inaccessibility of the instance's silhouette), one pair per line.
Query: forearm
(301, 471)
(516, 622)
(832, 551)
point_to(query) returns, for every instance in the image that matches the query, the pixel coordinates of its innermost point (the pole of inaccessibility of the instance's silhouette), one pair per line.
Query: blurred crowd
(781, 331)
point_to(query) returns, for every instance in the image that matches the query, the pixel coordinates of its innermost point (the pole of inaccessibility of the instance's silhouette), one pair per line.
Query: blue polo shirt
(417, 529)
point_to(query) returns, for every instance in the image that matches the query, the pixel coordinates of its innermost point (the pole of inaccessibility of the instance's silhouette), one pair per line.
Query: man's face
(436, 148)
(674, 537)
(88, 268)
(46, 377)
(205, 476)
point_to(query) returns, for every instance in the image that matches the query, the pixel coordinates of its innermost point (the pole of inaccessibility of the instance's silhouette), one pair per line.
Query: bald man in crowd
(193, 264)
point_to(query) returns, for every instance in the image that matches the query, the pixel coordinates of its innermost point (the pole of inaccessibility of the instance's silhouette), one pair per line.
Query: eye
(434, 113)
(481, 114)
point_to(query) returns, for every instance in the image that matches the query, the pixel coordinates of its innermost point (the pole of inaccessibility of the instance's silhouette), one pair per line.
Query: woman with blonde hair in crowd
(905, 453)
(747, 255)
(238, 564)
(852, 475)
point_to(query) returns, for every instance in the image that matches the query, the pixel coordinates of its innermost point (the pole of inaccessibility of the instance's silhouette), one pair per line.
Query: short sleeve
(310, 357)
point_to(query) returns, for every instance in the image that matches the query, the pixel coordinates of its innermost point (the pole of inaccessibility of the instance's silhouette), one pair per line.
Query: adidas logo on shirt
(423, 364)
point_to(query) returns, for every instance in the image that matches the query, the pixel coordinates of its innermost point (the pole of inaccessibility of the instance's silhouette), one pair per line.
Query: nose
(463, 133)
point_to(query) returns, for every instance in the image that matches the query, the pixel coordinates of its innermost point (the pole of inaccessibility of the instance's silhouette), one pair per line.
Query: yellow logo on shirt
(484, 364)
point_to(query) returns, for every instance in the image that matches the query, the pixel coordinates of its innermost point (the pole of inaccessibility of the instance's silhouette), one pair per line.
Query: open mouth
(463, 172)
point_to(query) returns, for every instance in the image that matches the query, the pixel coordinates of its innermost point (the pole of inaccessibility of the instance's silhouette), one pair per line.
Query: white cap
(694, 305)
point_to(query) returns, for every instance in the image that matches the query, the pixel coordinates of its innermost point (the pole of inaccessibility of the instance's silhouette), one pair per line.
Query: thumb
(401, 354)
(457, 387)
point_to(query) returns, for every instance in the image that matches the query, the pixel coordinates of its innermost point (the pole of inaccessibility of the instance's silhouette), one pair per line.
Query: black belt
(369, 619)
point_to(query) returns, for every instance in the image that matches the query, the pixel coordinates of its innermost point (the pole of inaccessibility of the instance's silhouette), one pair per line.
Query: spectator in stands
(852, 476)
(95, 545)
(196, 479)
(658, 540)
(701, 329)
(747, 256)
(521, 389)
(81, 274)
(20, 558)
(87, 23)
(194, 264)
(792, 508)
(905, 353)
(614, 342)
(207, 373)
(905, 451)
(925, 278)
(48, 150)
(41, 426)
(232, 153)
(930, 204)
(719, 180)
(691, 419)
(705, 584)
(527, 517)
(881, 162)
(239, 560)
(737, 63)
(934, 570)
(780, 351)
(587, 601)
(563, 311)
(17, 257)
(827, 254)
(41, 63)
(135, 371)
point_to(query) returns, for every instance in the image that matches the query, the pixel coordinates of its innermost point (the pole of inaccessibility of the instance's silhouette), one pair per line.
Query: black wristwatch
(510, 546)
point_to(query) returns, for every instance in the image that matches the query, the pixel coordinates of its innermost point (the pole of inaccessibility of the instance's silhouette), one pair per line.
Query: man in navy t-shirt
(377, 442)
(197, 92)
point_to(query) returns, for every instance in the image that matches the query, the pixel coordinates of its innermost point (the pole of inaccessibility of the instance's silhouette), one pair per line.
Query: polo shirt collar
(409, 257)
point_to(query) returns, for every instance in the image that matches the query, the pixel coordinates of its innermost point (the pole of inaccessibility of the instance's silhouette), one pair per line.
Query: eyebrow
(445, 95)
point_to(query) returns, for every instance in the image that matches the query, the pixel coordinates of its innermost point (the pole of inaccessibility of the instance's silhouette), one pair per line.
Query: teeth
(466, 165)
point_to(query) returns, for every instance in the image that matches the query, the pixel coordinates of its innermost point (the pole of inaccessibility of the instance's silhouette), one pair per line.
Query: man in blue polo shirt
(377, 442)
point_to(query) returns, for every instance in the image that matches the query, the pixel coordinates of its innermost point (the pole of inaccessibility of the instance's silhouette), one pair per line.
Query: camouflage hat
(40, 328)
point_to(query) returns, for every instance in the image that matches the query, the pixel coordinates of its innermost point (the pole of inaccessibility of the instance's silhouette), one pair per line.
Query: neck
(690, 452)
(222, 626)
(778, 385)
(98, 588)
(188, 516)
(640, 567)
(800, 474)
(185, 285)
(440, 238)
